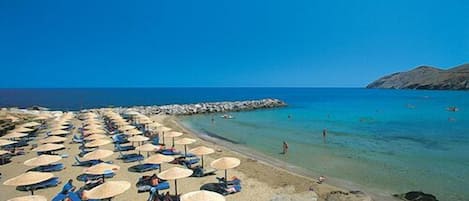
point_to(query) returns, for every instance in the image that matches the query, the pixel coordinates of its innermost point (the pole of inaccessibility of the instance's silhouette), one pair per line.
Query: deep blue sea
(389, 141)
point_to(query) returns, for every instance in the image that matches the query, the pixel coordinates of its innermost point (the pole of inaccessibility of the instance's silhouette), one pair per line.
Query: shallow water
(386, 140)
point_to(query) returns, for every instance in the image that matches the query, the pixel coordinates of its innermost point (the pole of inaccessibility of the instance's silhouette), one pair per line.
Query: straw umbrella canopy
(95, 131)
(6, 142)
(3, 152)
(29, 178)
(133, 132)
(175, 173)
(98, 154)
(225, 163)
(48, 147)
(93, 127)
(31, 124)
(14, 135)
(29, 198)
(161, 130)
(52, 139)
(107, 190)
(101, 169)
(155, 125)
(159, 159)
(97, 143)
(41, 117)
(202, 196)
(42, 160)
(138, 138)
(95, 137)
(59, 132)
(126, 128)
(147, 148)
(57, 127)
(22, 130)
(201, 151)
(172, 134)
(185, 142)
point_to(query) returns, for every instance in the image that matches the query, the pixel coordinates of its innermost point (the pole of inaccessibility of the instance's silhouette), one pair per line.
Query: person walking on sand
(324, 133)
(285, 147)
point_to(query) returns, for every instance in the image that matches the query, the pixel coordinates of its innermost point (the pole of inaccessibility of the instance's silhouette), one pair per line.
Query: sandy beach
(260, 181)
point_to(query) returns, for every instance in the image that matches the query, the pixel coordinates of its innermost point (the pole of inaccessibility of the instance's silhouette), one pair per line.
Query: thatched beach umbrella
(161, 130)
(98, 154)
(107, 190)
(101, 169)
(14, 135)
(96, 136)
(30, 124)
(95, 131)
(185, 142)
(29, 198)
(225, 163)
(147, 148)
(202, 196)
(93, 127)
(29, 178)
(57, 127)
(126, 128)
(22, 130)
(201, 151)
(138, 138)
(42, 160)
(97, 143)
(6, 142)
(52, 139)
(159, 159)
(175, 173)
(48, 147)
(172, 134)
(133, 132)
(59, 132)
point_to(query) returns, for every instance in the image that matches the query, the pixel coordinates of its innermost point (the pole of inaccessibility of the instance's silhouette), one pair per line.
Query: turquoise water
(389, 141)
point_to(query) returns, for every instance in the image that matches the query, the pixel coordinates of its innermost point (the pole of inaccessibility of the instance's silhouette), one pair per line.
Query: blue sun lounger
(86, 163)
(49, 168)
(144, 167)
(118, 147)
(45, 184)
(128, 158)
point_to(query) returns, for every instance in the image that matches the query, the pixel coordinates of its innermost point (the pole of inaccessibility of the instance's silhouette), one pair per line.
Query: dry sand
(260, 181)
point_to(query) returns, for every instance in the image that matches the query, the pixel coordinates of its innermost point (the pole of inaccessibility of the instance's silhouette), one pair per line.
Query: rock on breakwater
(202, 108)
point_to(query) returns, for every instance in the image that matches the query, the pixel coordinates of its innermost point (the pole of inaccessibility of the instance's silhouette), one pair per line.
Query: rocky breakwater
(210, 107)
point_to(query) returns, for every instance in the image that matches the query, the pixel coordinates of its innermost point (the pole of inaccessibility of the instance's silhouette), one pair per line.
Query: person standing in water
(285, 147)
(324, 133)
(212, 119)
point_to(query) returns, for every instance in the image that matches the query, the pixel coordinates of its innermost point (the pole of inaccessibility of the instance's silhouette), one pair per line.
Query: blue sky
(215, 43)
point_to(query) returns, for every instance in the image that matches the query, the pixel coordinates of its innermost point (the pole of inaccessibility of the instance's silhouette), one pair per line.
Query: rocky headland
(426, 77)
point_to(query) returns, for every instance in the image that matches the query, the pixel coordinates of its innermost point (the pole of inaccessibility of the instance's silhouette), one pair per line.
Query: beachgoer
(324, 133)
(212, 119)
(321, 179)
(285, 147)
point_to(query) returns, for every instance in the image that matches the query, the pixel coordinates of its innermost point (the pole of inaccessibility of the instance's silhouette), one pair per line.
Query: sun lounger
(223, 188)
(49, 168)
(143, 167)
(118, 147)
(87, 177)
(200, 172)
(170, 152)
(144, 184)
(45, 184)
(128, 158)
(85, 163)
(77, 139)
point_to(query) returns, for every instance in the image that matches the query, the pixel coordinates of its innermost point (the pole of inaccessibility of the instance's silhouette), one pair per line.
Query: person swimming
(285, 147)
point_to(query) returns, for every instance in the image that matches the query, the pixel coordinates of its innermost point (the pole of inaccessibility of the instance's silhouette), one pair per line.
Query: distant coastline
(426, 77)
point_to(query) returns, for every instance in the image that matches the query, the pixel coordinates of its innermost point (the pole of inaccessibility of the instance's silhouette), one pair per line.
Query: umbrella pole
(176, 187)
(226, 179)
(160, 167)
(185, 150)
(32, 191)
(163, 138)
(202, 157)
(173, 141)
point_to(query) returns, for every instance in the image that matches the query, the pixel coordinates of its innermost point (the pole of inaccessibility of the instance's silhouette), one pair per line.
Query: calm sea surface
(391, 141)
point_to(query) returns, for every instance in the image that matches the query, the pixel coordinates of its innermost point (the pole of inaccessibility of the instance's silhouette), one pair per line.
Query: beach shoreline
(294, 172)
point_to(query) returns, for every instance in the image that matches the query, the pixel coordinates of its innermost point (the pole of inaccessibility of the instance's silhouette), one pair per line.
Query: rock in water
(416, 196)
(426, 77)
